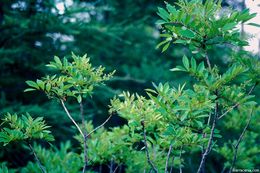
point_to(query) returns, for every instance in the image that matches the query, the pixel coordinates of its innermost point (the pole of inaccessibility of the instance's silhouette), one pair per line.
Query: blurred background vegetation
(121, 35)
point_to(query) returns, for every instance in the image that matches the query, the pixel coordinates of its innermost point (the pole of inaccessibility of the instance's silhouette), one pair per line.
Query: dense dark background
(118, 34)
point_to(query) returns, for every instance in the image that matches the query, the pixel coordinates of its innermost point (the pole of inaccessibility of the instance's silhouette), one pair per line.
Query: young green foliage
(201, 25)
(169, 126)
(73, 79)
(23, 128)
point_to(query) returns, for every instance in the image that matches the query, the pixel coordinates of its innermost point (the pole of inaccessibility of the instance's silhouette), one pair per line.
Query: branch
(68, 114)
(111, 166)
(85, 138)
(146, 148)
(172, 164)
(180, 160)
(239, 140)
(36, 158)
(98, 127)
(204, 156)
(167, 159)
(208, 61)
(116, 168)
(237, 104)
(182, 24)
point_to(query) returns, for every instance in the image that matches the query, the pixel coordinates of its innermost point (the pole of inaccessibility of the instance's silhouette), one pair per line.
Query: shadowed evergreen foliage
(170, 98)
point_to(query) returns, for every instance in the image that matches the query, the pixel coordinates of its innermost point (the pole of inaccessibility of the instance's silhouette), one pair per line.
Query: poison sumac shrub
(171, 127)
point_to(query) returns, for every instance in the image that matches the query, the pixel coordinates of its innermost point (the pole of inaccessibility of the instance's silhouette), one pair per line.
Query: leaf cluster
(23, 128)
(73, 79)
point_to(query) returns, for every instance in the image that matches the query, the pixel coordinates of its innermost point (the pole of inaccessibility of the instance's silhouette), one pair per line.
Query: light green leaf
(79, 98)
(29, 89)
(187, 33)
(172, 9)
(165, 47)
(193, 64)
(32, 84)
(163, 14)
(178, 68)
(201, 67)
(180, 41)
(229, 26)
(58, 61)
(185, 62)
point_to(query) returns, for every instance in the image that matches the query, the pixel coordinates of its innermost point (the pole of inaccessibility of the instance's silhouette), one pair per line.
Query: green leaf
(58, 61)
(185, 62)
(187, 33)
(193, 64)
(172, 9)
(202, 116)
(180, 41)
(163, 14)
(184, 116)
(161, 43)
(29, 89)
(178, 68)
(40, 83)
(254, 24)
(48, 87)
(79, 98)
(32, 84)
(165, 47)
(229, 26)
(201, 67)
(160, 22)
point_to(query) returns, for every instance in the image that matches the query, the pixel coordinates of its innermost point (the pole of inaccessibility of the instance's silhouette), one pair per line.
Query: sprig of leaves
(23, 128)
(74, 79)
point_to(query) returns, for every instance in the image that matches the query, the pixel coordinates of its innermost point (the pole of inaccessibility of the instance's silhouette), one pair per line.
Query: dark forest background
(121, 35)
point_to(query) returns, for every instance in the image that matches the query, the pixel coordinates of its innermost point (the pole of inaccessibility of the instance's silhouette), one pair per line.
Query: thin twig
(36, 158)
(206, 152)
(68, 114)
(146, 148)
(85, 138)
(98, 127)
(172, 164)
(111, 166)
(115, 169)
(204, 135)
(208, 61)
(239, 141)
(223, 170)
(167, 159)
(237, 104)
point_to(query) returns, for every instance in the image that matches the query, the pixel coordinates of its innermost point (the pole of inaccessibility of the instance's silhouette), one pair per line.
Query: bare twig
(111, 166)
(223, 170)
(85, 137)
(71, 118)
(167, 159)
(237, 104)
(172, 164)
(36, 158)
(146, 148)
(208, 61)
(98, 127)
(116, 169)
(206, 152)
(239, 140)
